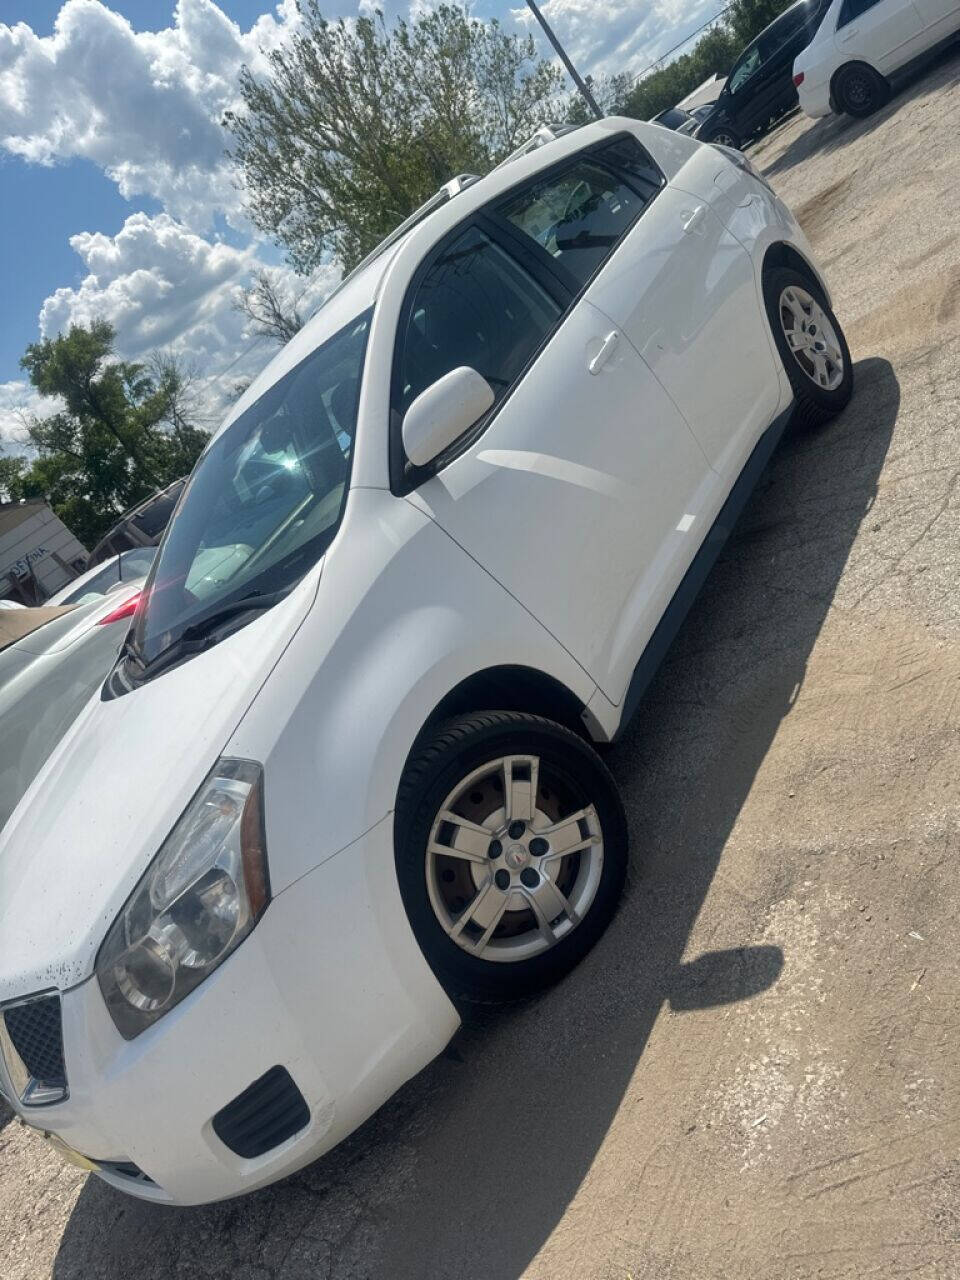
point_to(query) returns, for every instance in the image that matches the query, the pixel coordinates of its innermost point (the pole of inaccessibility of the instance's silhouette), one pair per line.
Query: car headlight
(743, 164)
(199, 898)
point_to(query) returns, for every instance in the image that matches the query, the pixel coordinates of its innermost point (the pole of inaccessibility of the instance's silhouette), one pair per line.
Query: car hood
(107, 797)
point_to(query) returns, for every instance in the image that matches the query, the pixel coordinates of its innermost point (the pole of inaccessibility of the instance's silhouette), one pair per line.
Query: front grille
(35, 1031)
(271, 1110)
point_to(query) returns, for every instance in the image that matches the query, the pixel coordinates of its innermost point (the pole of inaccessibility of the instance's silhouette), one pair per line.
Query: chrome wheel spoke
(520, 781)
(795, 338)
(543, 924)
(795, 307)
(495, 919)
(470, 841)
(552, 902)
(471, 910)
(567, 836)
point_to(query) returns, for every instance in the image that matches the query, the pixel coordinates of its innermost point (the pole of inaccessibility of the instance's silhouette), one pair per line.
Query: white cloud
(143, 106)
(162, 285)
(619, 35)
(18, 402)
(155, 281)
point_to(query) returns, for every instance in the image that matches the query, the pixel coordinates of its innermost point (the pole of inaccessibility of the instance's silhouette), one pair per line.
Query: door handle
(692, 222)
(607, 348)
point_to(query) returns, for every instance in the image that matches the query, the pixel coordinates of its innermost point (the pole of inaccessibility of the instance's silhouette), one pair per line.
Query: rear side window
(790, 25)
(851, 9)
(475, 306)
(155, 518)
(745, 68)
(579, 214)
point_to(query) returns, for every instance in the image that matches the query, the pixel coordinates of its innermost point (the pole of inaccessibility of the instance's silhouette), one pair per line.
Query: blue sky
(115, 198)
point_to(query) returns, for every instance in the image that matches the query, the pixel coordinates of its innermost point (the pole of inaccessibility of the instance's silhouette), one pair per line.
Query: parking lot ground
(756, 1073)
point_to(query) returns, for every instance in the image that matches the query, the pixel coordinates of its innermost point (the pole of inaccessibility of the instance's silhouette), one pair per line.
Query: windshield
(264, 499)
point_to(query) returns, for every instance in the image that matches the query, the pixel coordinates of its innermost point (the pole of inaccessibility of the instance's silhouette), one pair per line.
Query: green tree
(358, 123)
(123, 430)
(610, 92)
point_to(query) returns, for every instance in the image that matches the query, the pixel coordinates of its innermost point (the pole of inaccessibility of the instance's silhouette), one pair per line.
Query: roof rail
(446, 192)
(546, 133)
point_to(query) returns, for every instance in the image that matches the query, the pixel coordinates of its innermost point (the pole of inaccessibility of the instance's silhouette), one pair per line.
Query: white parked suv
(342, 776)
(860, 43)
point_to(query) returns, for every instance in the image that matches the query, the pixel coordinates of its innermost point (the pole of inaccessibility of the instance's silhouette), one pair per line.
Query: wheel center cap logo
(517, 857)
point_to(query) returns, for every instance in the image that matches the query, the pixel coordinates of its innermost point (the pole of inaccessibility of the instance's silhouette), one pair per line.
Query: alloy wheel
(725, 139)
(811, 337)
(514, 859)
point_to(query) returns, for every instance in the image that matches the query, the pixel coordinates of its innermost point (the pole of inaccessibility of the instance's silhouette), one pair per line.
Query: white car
(860, 43)
(352, 773)
(46, 677)
(107, 577)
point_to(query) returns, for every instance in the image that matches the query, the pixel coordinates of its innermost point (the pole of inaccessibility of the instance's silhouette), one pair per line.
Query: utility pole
(562, 54)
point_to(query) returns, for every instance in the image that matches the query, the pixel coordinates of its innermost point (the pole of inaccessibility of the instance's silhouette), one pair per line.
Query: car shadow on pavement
(832, 133)
(467, 1171)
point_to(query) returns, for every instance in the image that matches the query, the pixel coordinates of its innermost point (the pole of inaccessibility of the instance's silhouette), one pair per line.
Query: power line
(575, 76)
(686, 39)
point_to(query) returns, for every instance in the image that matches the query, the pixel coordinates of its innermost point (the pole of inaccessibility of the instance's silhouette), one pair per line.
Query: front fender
(402, 616)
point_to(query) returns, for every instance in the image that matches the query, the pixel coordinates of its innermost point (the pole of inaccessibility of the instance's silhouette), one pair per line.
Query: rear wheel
(724, 137)
(811, 344)
(859, 90)
(511, 853)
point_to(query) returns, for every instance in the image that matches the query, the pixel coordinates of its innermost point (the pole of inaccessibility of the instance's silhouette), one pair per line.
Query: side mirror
(442, 413)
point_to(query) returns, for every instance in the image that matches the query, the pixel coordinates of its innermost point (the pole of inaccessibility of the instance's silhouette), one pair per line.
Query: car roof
(784, 19)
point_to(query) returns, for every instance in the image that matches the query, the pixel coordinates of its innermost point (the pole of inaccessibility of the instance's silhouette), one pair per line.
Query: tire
(859, 90)
(796, 302)
(725, 137)
(555, 892)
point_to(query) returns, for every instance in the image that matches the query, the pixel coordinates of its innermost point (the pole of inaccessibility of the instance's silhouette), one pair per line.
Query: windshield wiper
(130, 651)
(198, 635)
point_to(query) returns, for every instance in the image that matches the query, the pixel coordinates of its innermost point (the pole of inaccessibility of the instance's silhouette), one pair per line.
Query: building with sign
(38, 553)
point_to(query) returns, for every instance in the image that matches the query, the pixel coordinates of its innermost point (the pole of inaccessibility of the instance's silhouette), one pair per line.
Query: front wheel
(812, 346)
(511, 853)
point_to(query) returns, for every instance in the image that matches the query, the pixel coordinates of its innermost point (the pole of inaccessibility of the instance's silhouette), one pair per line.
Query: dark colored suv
(141, 526)
(760, 88)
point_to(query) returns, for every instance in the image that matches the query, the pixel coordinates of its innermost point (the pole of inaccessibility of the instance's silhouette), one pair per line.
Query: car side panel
(886, 36)
(684, 289)
(585, 496)
(402, 616)
(939, 17)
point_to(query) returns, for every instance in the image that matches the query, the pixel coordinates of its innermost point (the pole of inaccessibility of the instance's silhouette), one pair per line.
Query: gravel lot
(755, 1074)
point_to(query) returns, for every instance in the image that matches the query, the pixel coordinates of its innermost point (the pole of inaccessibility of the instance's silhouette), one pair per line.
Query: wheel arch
(511, 687)
(782, 254)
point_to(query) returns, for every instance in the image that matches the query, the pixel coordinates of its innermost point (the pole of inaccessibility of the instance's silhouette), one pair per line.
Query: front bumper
(331, 985)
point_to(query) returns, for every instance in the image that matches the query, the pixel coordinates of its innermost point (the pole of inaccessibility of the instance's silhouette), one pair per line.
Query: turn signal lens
(125, 610)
